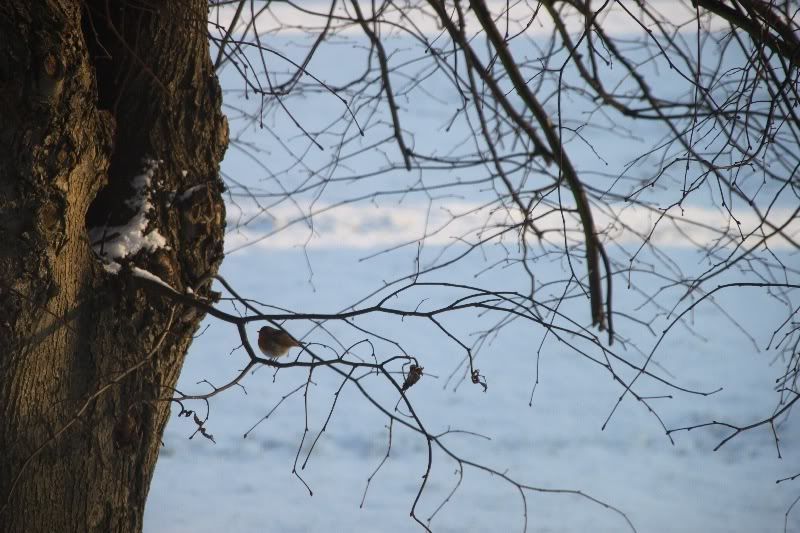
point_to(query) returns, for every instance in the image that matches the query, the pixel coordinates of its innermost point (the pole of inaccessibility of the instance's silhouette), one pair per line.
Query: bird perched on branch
(274, 342)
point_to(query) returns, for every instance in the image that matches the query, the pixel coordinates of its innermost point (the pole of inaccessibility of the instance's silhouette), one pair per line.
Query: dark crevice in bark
(113, 34)
(102, 49)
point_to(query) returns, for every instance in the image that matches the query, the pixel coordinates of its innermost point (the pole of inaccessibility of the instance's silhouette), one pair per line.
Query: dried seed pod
(414, 373)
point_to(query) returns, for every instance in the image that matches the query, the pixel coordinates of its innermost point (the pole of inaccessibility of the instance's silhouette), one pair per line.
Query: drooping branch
(568, 172)
(763, 23)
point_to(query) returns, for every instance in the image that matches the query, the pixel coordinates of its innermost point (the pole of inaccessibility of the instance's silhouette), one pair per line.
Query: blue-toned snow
(246, 484)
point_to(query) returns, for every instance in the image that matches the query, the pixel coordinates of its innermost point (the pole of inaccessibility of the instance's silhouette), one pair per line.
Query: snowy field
(247, 485)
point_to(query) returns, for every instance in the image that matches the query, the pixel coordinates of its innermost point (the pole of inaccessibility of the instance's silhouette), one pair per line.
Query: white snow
(146, 274)
(112, 243)
(189, 192)
(365, 226)
(247, 486)
(112, 267)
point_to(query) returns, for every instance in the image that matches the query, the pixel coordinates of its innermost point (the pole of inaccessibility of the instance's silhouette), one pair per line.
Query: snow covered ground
(247, 484)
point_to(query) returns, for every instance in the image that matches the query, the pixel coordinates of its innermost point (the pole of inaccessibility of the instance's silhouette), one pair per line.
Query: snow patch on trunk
(112, 243)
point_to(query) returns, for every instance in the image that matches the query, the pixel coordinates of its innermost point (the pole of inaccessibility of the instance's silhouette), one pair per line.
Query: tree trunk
(89, 92)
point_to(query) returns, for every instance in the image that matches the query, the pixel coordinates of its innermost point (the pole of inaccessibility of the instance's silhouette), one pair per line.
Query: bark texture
(89, 90)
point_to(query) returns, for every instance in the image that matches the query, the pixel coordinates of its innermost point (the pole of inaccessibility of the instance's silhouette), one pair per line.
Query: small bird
(274, 342)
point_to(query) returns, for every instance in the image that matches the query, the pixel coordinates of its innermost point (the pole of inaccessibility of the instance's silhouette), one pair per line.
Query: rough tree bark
(88, 91)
